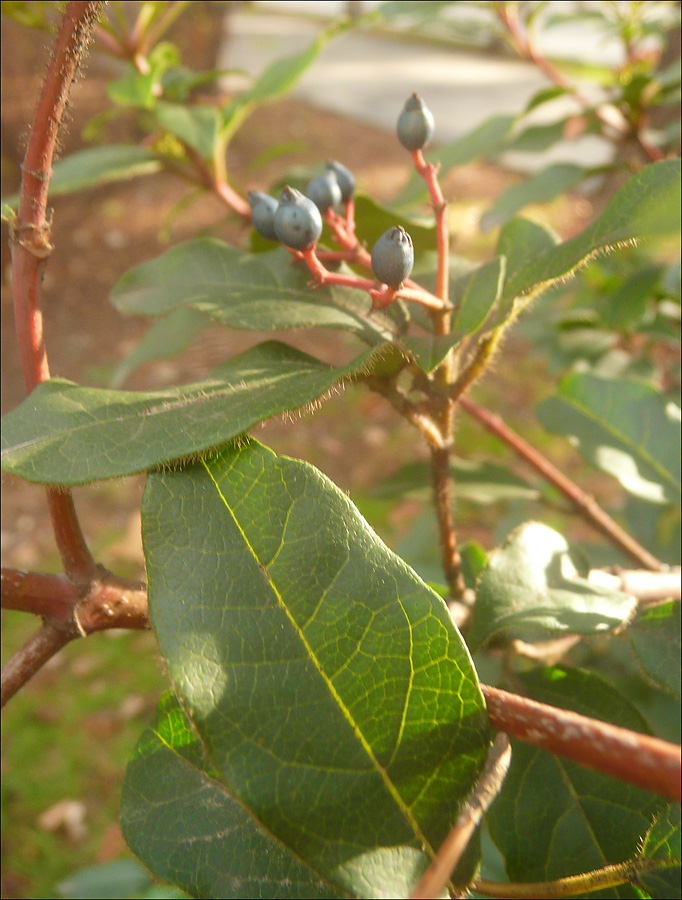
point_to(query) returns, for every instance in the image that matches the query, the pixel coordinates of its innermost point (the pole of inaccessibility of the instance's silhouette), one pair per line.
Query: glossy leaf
(655, 639)
(532, 588)
(542, 187)
(663, 844)
(66, 434)
(329, 688)
(480, 482)
(261, 292)
(554, 818)
(98, 165)
(183, 823)
(625, 428)
(646, 207)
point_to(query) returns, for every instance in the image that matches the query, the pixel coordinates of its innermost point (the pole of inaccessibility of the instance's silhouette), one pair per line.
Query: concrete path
(369, 76)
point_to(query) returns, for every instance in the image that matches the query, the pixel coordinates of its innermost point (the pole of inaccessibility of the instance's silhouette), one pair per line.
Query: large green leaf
(663, 844)
(66, 434)
(181, 820)
(626, 428)
(476, 293)
(542, 187)
(646, 207)
(655, 639)
(98, 165)
(330, 690)
(262, 292)
(533, 587)
(554, 818)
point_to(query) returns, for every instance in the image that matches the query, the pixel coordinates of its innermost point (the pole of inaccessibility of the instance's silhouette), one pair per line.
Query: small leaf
(116, 879)
(331, 692)
(260, 292)
(98, 165)
(167, 337)
(430, 352)
(554, 818)
(476, 293)
(373, 220)
(479, 482)
(542, 187)
(197, 126)
(655, 639)
(532, 588)
(66, 434)
(484, 141)
(187, 828)
(663, 843)
(625, 428)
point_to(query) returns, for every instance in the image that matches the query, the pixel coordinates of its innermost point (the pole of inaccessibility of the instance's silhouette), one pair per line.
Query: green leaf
(533, 587)
(625, 428)
(475, 294)
(655, 639)
(165, 338)
(663, 843)
(520, 242)
(98, 165)
(554, 818)
(276, 80)
(197, 126)
(66, 434)
(373, 220)
(542, 187)
(484, 141)
(430, 351)
(260, 292)
(136, 89)
(186, 827)
(330, 690)
(646, 207)
(480, 482)
(114, 880)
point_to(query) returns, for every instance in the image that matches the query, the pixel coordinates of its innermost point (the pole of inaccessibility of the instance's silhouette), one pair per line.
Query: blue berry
(324, 191)
(298, 223)
(393, 257)
(263, 209)
(415, 124)
(344, 177)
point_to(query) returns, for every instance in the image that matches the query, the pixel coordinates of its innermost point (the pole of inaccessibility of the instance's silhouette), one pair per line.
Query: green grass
(67, 736)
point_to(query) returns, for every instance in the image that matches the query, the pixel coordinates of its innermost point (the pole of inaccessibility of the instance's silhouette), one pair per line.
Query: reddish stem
(31, 246)
(429, 173)
(37, 650)
(585, 505)
(635, 758)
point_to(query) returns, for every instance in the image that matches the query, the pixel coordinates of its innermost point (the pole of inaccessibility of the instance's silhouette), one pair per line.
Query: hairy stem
(636, 758)
(627, 872)
(31, 247)
(585, 505)
(450, 852)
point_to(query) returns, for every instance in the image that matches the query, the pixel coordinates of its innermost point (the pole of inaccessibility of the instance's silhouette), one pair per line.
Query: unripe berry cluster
(296, 220)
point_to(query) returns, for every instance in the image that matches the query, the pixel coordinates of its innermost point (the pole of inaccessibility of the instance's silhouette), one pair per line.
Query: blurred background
(67, 736)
